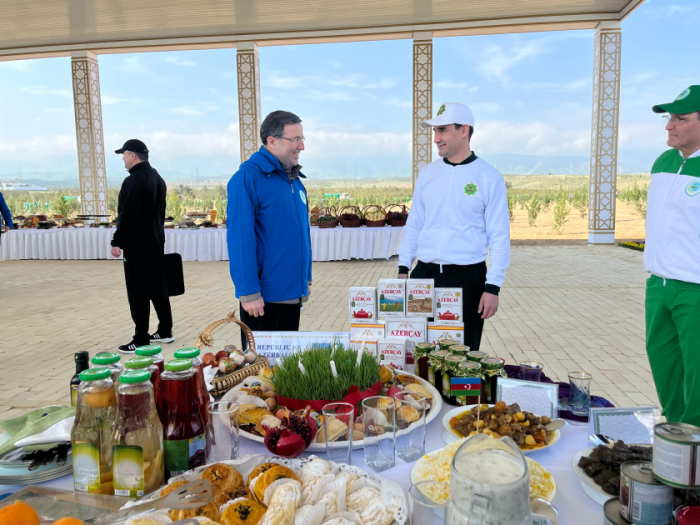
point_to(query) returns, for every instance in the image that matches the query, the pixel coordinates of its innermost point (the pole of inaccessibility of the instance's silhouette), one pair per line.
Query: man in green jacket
(672, 256)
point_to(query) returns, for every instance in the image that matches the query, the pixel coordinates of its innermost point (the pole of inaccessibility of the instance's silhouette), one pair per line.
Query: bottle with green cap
(155, 353)
(91, 435)
(146, 363)
(137, 441)
(184, 436)
(192, 353)
(109, 360)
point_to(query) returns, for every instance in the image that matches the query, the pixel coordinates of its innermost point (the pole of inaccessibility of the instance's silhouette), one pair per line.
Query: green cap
(687, 102)
(148, 350)
(105, 358)
(94, 374)
(135, 376)
(187, 353)
(136, 363)
(178, 365)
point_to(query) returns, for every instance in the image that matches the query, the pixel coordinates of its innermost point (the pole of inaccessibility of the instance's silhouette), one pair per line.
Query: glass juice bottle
(137, 441)
(202, 393)
(146, 363)
(82, 362)
(184, 437)
(91, 436)
(110, 361)
(154, 352)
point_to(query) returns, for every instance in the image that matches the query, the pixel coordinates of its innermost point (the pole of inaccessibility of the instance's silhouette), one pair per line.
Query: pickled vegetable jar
(460, 350)
(445, 344)
(476, 356)
(421, 358)
(491, 370)
(436, 360)
(449, 368)
(469, 369)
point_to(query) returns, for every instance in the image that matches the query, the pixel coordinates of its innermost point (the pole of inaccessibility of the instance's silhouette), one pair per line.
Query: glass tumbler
(379, 434)
(410, 426)
(421, 507)
(579, 402)
(222, 431)
(531, 371)
(338, 421)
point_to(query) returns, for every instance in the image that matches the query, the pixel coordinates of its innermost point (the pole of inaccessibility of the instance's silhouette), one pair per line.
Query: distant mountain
(511, 164)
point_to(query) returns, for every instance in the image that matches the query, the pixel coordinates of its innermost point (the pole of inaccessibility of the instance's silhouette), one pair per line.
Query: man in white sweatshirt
(459, 215)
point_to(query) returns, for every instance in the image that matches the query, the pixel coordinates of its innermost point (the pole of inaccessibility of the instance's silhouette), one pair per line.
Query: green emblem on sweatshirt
(692, 189)
(470, 189)
(441, 110)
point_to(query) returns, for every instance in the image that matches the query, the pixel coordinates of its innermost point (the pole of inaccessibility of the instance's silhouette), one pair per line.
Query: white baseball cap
(451, 113)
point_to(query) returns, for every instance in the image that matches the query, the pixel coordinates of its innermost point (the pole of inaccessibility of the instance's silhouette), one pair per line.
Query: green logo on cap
(685, 93)
(470, 189)
(441, 110)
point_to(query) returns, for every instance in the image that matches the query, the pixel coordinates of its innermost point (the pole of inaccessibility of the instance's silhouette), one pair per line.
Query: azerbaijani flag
(465, 386)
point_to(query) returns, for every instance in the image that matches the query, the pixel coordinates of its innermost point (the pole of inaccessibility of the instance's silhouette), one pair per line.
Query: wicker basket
(222, 383)
(374, 224)
(401, 208)
(354, 223)
(327, 212)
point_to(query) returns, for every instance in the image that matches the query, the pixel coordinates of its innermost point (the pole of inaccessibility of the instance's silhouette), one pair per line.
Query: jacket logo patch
(303, 196)
(692, 189)
(470, 189)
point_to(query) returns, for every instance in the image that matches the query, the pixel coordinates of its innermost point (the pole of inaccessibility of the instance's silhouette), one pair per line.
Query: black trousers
(145, 282)
(277, 318)
(472, 280)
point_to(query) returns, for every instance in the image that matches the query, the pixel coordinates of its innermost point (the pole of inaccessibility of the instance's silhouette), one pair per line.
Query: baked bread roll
(244, 512)
(221, 475)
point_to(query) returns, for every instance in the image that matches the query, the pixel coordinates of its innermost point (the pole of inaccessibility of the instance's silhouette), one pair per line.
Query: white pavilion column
(249, 120)
(88, 130)
(422, 100)
(604, 132)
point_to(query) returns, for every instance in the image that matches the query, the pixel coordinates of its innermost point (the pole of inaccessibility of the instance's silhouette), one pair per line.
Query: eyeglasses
(295, 140)
(674, 118)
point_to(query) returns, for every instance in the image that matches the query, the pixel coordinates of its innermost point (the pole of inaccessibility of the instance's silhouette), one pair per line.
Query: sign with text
(274, 345)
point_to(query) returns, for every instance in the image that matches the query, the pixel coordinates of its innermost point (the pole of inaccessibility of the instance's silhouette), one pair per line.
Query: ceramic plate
(590, 487)
(460, 410)
(435, 409)
(21, 475)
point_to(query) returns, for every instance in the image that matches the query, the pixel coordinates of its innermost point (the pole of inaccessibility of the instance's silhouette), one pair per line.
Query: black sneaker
(129, 349)
(162, 338)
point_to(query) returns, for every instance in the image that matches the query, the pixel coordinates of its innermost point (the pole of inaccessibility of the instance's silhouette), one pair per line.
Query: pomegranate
(295, 435)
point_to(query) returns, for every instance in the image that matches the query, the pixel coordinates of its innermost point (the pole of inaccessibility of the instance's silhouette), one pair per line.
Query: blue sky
(531, 94)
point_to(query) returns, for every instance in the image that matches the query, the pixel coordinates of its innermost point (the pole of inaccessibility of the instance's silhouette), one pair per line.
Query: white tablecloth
(341, 244)
(574, 506)
(333, 244)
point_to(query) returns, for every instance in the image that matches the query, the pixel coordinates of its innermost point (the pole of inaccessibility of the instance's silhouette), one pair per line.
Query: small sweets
(391, 294)
(376, 329)
(438, 330)
(363, 304)
(448, 304)
(420, 296)
(412, 329)
(392, 352)
(370, 344)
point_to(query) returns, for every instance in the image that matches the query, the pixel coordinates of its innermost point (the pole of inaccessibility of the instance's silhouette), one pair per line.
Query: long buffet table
(573, 504)
(332, 244)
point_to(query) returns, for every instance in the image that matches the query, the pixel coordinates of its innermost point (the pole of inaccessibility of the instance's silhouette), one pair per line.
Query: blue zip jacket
(269, 241)
(5, 211)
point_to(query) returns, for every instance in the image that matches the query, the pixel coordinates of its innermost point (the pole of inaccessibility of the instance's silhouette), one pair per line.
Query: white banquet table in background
(574, 506)
(209, 244)
(342, 244)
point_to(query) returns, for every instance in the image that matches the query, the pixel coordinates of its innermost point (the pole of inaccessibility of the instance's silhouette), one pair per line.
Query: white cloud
(168, 144)
(57, 110)
(450, 84)
(494, 62)
(186, 110)
(42, 90)
(575, 85)
(41, 144)
(330, 143)
(337, 96)
(134, 64)
(110, 100)
(666, 11)
(179, 62)
(399, 103)
(336, 64)
(359, 81)
(485, 107)
(280, 82)
(536, 138)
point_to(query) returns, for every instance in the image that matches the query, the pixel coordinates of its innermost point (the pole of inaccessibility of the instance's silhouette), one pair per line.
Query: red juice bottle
(184, 436)
(146, 363)
(202, 393)
(154, 352)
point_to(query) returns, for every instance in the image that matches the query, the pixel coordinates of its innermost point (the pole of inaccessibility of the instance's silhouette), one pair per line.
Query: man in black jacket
(140, 234)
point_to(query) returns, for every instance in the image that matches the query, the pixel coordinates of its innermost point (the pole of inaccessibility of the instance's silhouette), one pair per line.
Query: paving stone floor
(570, 307)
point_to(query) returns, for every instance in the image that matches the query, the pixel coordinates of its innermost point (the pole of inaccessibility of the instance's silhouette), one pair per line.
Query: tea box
(412, 329)
(363, 304)
(370, 344)
(420, 297)
(440, 330)
(392, 352)
(391, 295)
(375, 329)
(448, 304)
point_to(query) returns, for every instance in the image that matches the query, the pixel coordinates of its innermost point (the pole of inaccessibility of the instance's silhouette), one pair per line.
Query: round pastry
(221, 475)
(231, 493)
(358, 501)
(169, 488)
(376, 513)
(264, 467)
(269, 477)
(210, 510)
(244, 512)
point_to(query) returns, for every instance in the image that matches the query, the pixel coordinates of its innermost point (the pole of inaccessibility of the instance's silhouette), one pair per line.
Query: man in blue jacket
(269, 242)
(5, 216)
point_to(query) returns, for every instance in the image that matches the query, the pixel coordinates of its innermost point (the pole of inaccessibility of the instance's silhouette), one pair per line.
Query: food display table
(573, 504)
(342, 244)
(333, 244)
